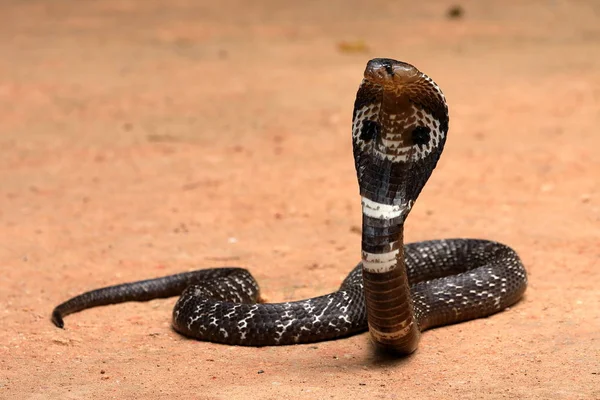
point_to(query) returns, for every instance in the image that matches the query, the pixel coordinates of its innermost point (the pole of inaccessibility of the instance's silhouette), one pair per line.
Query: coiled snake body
(400, 122)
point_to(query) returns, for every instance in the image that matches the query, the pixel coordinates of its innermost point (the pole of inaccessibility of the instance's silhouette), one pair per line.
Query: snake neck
(391, 317)
(399, 128)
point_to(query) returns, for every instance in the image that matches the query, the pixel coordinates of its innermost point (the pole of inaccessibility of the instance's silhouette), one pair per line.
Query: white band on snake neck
(377, 210)
(379, 263)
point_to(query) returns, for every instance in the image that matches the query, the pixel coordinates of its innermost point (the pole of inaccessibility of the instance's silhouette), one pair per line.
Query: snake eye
(369, 130)
(389, 69)
(421, 135)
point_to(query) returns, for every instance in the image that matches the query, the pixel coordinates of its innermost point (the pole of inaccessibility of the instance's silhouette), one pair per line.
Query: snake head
(399, 128)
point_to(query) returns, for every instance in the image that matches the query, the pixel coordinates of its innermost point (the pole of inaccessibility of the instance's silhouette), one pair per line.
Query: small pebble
(455, 12)
(355, 229)
(356, 46)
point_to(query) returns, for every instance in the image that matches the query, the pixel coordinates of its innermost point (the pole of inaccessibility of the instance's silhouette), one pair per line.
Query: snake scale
(399, 128)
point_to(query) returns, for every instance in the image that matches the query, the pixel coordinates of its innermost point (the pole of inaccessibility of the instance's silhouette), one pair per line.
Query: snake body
(400, 122)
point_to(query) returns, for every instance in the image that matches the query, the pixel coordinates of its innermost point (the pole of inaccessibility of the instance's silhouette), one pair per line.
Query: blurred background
(142, 138)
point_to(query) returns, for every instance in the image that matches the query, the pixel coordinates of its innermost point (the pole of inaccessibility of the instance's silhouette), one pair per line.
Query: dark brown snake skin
(400, 122)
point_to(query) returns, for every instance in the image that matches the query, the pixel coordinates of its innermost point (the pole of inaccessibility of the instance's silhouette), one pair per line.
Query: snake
(399, 127)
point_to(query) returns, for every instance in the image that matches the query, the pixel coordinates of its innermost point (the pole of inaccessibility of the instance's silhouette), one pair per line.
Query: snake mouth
(388, 72)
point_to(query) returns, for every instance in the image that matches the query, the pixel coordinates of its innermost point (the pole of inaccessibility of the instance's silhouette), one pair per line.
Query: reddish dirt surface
(139, 139)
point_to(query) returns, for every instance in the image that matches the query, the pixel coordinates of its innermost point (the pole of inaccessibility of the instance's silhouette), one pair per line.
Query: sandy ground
(139, 139)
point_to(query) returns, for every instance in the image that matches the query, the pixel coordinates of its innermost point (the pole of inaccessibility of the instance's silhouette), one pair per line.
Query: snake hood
(399, 128)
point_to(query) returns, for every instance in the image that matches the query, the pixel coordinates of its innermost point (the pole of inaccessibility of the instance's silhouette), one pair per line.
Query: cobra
(399, 128)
